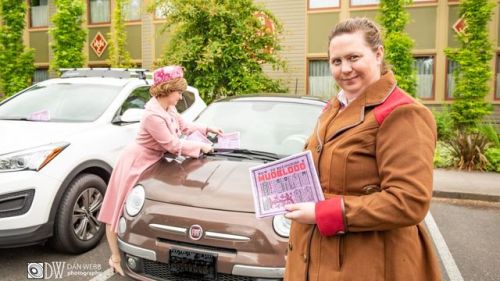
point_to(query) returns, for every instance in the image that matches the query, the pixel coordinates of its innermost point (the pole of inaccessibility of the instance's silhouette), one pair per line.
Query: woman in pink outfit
(161, 127)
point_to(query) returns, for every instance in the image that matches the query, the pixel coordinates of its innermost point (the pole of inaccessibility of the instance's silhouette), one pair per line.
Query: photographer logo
(35, 270)
(60, 270)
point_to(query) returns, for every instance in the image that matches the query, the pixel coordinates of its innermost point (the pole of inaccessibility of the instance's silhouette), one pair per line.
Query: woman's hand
(206, 148)
(214, 130)
(302, 212)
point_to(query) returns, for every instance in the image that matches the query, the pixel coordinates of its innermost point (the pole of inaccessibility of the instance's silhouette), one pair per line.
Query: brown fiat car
(194, 219)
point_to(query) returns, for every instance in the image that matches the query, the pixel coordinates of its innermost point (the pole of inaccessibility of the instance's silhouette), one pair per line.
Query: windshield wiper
(230, 154)
(16, 119)
(251, 154)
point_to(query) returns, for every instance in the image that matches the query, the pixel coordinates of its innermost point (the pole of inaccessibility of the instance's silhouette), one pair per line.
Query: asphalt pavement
(484, 186)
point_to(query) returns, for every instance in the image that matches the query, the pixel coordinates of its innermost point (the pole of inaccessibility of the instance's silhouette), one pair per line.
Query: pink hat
(167, 73)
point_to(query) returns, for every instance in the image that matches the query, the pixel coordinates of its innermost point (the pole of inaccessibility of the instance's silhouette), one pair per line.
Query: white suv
(59, 141)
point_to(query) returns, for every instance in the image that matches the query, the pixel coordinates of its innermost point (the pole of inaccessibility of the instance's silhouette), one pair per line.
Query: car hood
(21, 135)
(213, 183)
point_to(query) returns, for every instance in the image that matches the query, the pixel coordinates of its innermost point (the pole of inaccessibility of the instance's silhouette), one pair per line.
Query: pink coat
(159, 133)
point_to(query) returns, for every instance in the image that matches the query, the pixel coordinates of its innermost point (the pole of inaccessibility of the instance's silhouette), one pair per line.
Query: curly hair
(165, 88)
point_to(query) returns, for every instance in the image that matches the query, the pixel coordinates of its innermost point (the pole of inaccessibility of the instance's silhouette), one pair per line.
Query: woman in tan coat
(373, 148)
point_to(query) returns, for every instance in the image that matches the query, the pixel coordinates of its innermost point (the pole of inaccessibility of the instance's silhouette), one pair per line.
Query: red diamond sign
(99, 44)
(460, 25)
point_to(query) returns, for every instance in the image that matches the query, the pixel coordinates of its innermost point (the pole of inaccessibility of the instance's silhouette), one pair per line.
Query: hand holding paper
(287, 181)
(228, 140)
(302, 212)
(199, 137)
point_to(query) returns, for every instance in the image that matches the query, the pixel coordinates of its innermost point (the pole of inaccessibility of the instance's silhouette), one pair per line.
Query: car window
(62, 102)
(137, 99)
(186, 102)
(271, 126)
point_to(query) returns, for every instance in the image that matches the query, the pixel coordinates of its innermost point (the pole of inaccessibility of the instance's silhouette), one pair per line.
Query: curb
(468, 196)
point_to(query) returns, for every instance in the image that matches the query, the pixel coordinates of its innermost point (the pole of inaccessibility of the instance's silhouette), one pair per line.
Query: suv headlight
(282, 225)
(135, 200)
(31, 159)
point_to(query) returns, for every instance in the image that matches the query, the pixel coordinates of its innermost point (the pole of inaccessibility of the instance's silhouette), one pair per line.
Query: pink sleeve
(187, 127)
(159, 131)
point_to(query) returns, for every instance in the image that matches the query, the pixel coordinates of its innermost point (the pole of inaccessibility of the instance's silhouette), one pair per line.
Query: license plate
(193, 264)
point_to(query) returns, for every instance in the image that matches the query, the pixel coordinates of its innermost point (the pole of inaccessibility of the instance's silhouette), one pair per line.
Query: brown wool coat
(384, 173)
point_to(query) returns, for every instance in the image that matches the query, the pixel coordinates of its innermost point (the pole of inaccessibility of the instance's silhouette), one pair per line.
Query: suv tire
(76, 229)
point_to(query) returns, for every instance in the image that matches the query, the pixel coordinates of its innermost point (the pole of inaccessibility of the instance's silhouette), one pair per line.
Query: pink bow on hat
(167, 73)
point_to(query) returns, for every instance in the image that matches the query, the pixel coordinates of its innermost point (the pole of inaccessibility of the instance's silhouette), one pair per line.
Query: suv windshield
(270, 126)
(62, 102)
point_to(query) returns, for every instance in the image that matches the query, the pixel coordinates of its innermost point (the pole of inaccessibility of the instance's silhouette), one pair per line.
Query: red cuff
(330, 216)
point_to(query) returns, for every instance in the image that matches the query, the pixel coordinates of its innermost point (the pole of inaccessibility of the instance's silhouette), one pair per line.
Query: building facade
(306, 23)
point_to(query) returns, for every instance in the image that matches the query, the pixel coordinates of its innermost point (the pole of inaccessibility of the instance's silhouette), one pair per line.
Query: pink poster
(286, 181)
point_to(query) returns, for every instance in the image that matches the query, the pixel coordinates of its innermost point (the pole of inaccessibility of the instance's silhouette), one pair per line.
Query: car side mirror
(132, 115)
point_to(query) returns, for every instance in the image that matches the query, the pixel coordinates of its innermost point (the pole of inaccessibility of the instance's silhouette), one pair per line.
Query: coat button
(318, 148)
(305, 258)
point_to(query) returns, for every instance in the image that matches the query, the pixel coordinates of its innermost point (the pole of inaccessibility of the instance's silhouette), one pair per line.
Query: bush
(398, 44)
(16, 61)
(442, 156)
(474, 58)
(222, 45)
(68, 35)
(468, 150)
(489, 131)
(493, 156)
(444, 124)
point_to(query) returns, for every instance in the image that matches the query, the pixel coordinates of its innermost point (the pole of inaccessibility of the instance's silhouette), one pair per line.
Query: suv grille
(162, 271)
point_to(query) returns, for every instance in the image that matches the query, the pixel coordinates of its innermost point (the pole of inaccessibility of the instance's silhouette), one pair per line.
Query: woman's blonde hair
(166, 88)
(371, 31)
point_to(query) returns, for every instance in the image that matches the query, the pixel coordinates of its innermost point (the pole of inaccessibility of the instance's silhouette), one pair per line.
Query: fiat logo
(195, 232)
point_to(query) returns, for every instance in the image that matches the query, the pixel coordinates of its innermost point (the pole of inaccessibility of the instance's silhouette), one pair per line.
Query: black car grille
(158, 270)
(16, 203)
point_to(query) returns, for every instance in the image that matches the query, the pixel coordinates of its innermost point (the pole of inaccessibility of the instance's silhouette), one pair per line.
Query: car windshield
(62, 102)
(279, 127)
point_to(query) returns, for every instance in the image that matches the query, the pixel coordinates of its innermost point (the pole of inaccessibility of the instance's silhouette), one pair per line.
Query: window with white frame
(364, 2)
(450, 78)
(132, 10)
(319, 4)
(497, 91)
(425, 76)
(99, 11)
(376, 2)
(39, 13)
(321, 82)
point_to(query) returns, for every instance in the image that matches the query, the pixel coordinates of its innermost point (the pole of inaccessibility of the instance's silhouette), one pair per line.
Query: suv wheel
(76, 229)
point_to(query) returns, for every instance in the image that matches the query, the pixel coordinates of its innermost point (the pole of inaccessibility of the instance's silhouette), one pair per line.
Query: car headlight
(135, 200)
(31, 159)
(282, 225)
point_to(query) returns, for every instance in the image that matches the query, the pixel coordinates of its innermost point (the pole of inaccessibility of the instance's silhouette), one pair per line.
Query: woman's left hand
(214, 130)
(302, 212)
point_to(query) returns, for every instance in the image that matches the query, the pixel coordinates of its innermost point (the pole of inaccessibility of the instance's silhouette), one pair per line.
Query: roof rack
(120, 73)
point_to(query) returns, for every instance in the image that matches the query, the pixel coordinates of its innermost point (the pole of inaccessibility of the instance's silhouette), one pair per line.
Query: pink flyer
(228, 140)
(286, 181)
(42, 115)
(199, 137)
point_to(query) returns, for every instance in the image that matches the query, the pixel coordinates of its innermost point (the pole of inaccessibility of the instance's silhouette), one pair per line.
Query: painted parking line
(103, 276)
(444, 253)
